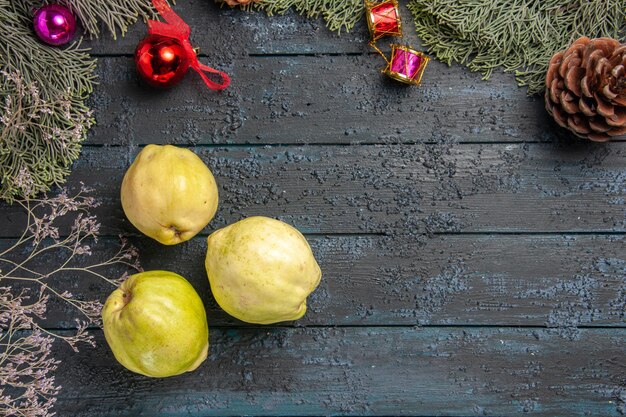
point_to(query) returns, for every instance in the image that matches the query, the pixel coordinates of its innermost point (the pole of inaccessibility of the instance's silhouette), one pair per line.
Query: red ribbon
(177, 28)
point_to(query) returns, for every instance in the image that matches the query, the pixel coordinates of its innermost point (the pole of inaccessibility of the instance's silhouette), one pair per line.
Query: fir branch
(44, 116)
(115, 15)
(43, 90)
(40, 135)
(118, 15)
(518, 35)
(56, 69)
(338, 14)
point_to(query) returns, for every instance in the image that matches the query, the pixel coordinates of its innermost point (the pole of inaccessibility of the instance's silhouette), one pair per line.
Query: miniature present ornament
(383, 19)
(406, 65)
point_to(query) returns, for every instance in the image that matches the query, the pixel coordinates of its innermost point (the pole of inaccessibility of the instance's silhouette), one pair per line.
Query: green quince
(261, 270)
(156, 325)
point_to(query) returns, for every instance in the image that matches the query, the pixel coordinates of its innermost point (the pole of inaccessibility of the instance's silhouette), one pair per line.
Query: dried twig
(34, 270)
(43, 91)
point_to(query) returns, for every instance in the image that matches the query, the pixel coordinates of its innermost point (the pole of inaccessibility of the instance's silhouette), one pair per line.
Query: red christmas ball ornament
(164, 56)
(161, 61)
(54, 24)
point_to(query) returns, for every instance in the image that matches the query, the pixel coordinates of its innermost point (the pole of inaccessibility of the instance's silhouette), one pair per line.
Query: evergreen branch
(517, 35)
(57, 70)
(115, 15)
(44, 117)
(338, 14)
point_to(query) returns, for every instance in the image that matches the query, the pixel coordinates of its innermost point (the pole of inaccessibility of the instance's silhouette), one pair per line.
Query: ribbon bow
(177, 28)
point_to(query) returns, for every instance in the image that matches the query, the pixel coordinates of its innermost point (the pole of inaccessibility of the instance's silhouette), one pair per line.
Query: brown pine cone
(586, 88)
(233, 3)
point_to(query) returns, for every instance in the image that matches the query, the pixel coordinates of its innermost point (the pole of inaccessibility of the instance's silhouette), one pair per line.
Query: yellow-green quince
(261, 270)
(169, 194)
(156, 325)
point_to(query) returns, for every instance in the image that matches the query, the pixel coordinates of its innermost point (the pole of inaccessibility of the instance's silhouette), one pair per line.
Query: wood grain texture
(365, 371)
(222, 31)
(296, 82)
(398, 190)
(561, 282)
(340, 98)
(455, 204)
(315, 99)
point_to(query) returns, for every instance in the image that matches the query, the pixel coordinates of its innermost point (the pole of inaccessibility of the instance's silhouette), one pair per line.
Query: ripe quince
(156, 325)
(169, 194)
(261, 270)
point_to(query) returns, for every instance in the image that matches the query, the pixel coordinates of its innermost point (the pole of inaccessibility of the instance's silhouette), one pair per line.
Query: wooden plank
(395, 189)
(562, 282)
(224, 32)
(364, 371)
(304, 91)
(312, 100)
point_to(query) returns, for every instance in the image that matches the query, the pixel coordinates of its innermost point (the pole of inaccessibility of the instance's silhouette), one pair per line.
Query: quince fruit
(156, 325)
(261, 270)
(169, 194)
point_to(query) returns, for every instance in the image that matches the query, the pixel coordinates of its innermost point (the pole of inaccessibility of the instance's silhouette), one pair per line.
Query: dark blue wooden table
(473, 253)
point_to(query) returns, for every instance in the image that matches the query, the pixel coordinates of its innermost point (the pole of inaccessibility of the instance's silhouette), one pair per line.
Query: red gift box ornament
(383, 19)
(165, 55)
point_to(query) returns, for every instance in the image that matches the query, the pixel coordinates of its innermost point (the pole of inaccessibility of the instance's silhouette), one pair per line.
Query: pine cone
(233, 3)
(586, 88)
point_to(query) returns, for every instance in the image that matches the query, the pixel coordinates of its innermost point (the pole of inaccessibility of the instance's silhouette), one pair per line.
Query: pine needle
(116, 15)
(338, 14)
(518, 36)
(44, 117)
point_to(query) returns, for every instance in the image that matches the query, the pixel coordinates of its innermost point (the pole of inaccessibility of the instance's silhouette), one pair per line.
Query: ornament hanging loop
(377, 49)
